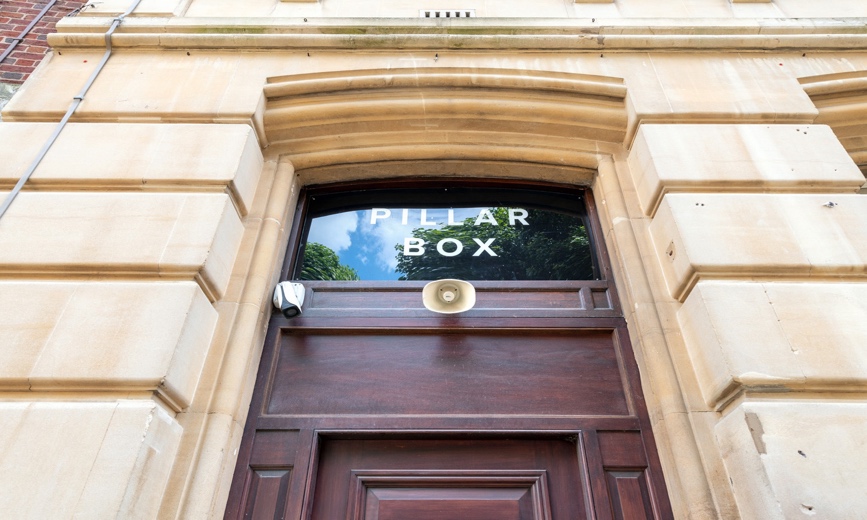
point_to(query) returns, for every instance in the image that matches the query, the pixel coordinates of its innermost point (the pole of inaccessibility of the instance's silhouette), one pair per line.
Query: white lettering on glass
(379, 213)
(413, 246)
(517, 215)
(424, 220)
(458, 247)
(485, 217)
(484, 247)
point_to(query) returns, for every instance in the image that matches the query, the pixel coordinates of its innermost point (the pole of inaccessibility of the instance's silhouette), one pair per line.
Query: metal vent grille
(447, 13)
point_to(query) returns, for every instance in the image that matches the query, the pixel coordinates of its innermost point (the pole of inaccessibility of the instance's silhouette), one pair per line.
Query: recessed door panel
(438, 479)
(547, 373)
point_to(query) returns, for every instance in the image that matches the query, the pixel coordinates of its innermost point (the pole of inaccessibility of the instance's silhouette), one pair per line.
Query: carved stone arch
(452, 121)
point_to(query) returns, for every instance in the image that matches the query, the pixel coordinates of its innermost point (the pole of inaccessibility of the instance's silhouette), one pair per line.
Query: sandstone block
(172, 86)
(85, 459)
(736, 88)
(146, 7)
(779, 157)
(181, 236)
(759, 235)
(174, 157)
(105, 336)
(784, 336)
(791, 459)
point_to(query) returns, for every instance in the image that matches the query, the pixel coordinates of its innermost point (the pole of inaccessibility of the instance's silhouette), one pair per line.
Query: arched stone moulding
(842, 102)
(561, 123)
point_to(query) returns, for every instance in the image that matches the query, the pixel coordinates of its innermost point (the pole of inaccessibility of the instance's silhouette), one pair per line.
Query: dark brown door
(469, 423)
(528, 406)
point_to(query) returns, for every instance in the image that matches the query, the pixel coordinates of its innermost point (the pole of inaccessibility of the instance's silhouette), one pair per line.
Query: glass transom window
(435, 233)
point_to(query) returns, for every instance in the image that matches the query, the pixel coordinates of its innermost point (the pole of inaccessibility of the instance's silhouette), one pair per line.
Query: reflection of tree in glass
(321, 263)
(554, 246)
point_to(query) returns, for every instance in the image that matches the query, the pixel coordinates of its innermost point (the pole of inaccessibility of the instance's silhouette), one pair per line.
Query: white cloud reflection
(334, 231)
(384, 235)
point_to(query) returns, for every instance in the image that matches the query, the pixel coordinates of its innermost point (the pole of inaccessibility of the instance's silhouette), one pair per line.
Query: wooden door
(528, 406)
(475, 423)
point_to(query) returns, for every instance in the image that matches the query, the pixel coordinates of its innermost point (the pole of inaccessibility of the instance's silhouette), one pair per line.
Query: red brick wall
(15, 15)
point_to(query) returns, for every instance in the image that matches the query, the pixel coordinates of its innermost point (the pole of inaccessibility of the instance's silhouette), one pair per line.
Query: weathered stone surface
(105, 336)
(790, 459)
(788, 336)
(222, 87)
(182, 236)
(745, 235)
(840, 100)
(111, 156)
(66, 459)
(779, 157)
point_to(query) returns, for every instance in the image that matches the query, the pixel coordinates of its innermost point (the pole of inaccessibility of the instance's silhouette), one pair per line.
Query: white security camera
(288, 297)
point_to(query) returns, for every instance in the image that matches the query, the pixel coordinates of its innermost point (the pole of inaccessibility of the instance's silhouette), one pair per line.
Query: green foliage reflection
(555, 246)
(321, 263)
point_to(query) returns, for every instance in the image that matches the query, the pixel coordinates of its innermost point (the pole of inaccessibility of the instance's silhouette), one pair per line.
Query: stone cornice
(470, 33)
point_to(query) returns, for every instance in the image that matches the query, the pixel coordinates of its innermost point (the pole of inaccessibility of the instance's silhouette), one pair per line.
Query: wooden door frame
(586, 430)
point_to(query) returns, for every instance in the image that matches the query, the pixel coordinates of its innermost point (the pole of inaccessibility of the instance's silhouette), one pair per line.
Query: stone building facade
(724, 143)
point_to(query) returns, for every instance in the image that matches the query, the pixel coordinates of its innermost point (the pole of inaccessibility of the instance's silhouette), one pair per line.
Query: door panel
(442, 504)
(625, 467)
(436, 479)
(478, 373)
(630, 499)
(267, 493)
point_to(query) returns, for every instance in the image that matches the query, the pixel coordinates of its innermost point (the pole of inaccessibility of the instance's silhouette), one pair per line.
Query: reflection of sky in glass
(368, 247)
